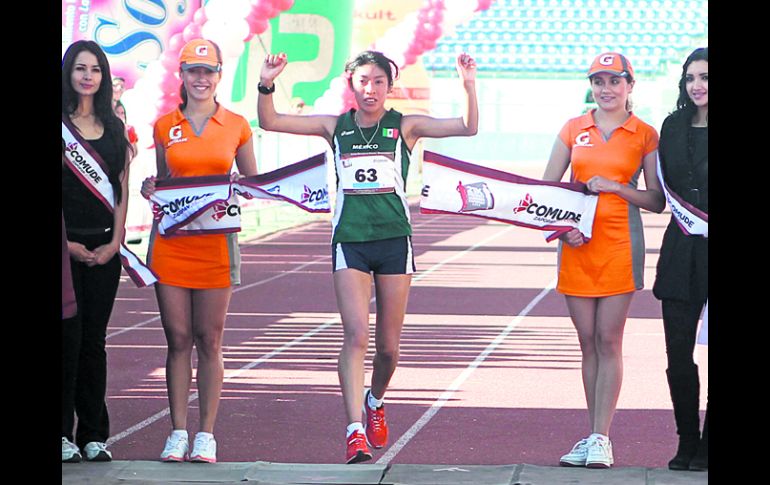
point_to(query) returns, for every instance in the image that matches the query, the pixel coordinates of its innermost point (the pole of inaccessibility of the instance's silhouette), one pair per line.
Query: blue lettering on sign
(126, 43)
(153, 14)
(145, 17)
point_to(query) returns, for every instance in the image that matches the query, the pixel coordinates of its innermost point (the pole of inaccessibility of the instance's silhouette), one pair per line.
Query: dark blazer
(682, 271)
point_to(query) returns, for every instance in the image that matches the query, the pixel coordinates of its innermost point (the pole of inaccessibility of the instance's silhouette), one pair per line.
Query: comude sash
(455, 187)
(91, 170)
(209, 204)
(690, 219)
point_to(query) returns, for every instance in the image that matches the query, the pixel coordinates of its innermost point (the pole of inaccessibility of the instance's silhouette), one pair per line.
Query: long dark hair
(684, 103)
(183, 91)
(114, 129)
(372, 57)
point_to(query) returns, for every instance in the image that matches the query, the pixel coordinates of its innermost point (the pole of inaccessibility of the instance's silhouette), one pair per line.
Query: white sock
(205, 435)
(179, 433)
(353, 427)
(372, 402)
(599, 435)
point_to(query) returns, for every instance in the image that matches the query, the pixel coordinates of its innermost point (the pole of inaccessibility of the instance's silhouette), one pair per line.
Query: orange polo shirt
(612, 262)
(199, 261)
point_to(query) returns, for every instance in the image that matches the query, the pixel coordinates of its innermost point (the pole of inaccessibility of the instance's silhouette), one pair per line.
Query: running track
(489, 371)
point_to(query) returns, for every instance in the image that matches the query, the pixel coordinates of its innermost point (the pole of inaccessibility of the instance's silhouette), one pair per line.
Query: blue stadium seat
(560, 36)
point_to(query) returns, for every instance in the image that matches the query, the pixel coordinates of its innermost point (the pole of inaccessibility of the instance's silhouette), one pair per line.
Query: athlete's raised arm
(270, 119)
(419, 126)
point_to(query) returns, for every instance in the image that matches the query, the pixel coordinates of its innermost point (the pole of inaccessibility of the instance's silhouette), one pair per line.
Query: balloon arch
(232, 23)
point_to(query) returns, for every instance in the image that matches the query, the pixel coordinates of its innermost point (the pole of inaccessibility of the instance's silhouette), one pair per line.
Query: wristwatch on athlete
(265, 90)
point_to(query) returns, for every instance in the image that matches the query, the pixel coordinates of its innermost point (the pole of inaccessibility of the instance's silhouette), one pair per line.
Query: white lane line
(250, 365)
(460, 379)
(236, 290)
(194, 396)
(251, 285)
(436, 266)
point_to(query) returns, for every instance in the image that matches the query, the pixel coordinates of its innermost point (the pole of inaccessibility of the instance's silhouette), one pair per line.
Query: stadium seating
(561, 36)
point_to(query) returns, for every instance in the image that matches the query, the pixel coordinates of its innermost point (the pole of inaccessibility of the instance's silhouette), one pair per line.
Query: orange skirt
(612, 262)
(198, 262)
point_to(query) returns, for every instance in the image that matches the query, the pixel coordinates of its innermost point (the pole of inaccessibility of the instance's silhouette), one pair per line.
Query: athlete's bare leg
(353, 289)
(392, 294)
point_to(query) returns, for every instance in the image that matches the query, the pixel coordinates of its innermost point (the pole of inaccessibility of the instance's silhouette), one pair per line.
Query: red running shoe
(375, 426)
(357, 449)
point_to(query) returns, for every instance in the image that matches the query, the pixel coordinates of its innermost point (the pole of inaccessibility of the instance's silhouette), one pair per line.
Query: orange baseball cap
(613, 63)
(199, 53)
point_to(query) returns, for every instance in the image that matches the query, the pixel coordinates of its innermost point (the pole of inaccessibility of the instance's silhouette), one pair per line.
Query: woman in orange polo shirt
(607, 149)
(196, 273)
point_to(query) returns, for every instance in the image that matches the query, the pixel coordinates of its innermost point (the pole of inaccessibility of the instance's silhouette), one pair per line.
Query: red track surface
(458, 396)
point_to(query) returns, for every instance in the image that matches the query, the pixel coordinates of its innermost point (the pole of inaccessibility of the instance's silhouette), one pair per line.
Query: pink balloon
(257, 25)
(430, 31)
(173, 99)
(483, 5)
(169, 61)
(284, 4)
(409, 59)
(175, 43)
(261, 8)
(199, 17)
(169, 85)
(429, 45)
(274, 12)
(419, 47)
(192, 31)
(440, 3)
(435, 17)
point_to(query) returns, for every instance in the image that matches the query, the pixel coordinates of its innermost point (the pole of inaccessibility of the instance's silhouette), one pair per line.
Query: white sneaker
(204, 449)
(70, 453)
(176, 448)
(97, 451)
(599, 453)
(577, 456)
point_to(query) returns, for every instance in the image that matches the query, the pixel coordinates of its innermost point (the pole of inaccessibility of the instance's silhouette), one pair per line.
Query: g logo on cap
(202, 50)
(607, 60)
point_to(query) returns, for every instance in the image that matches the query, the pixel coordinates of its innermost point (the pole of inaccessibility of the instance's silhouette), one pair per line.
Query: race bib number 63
(368, 173)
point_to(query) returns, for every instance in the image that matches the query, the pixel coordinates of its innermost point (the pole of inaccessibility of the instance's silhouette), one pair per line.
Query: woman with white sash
(196, 273)
(607, 149)
(372, 232)
(94, 236)
(681, 282)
